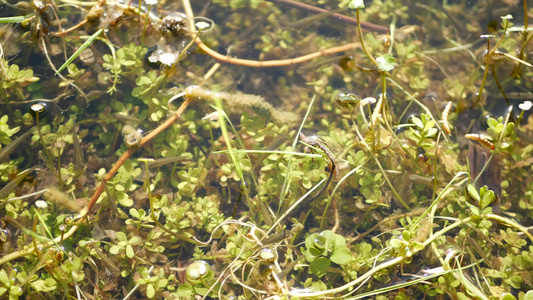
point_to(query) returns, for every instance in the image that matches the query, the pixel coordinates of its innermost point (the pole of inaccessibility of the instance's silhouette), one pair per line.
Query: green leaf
(185, 290)
(319, 266)
(418, 123)
(341, 255)
(417, 246)
(509, 128)
(406, 235)
(134, 240)
(508, 296)
(487, 199)
(115, 249)
(333, 238)
(134, 213)
(386, 62)
(429, 125)
(150, 291)
(462, 296)
(4, 279)
(356, 4)
(396, 243)
(121, 236)
(162, 283)
(471, 189)
(129, 251)
(529, 295)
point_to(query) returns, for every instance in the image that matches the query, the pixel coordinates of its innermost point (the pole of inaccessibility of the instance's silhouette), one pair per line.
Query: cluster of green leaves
(7, 166)
(484, 198)
(152, 285)
(126, 61)
(423, 132)
(405, 246)
(10, 287)
(501, 131)
(321, 249)
(125, 245)
(14, 80)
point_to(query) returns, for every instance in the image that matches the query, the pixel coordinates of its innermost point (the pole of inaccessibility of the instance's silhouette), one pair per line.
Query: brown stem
(71, 29)
(130, 151)
(254, 63)
(318, 10)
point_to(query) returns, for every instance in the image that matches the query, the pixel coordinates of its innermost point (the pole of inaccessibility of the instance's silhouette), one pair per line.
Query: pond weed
(231, 206)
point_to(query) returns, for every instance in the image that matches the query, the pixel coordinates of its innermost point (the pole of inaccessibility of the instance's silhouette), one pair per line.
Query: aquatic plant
(337, 157)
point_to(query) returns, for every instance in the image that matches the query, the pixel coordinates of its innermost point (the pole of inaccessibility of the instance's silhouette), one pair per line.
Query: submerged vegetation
(266, 149)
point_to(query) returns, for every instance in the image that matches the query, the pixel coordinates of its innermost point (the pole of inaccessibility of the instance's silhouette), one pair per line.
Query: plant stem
(361, 41)
(487, 63)
(49, 158)
(490, 52)
(400, 259)
(381, 169)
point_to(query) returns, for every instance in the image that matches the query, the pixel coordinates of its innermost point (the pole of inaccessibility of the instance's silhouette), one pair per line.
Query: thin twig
(130, 151)
(346, 19)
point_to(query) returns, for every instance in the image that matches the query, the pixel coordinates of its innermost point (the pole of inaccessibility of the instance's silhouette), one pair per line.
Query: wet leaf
(386, 62)
(319, 266)
(354, 4)
(129, 251)
(150, 291)
(472, 191)
(341, 255)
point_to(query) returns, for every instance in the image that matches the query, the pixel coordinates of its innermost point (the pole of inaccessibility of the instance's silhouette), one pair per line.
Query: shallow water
(382, 177)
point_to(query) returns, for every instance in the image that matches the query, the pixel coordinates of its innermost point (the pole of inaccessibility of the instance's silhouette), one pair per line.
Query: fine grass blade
(272, 152)
(285, 187)
(7, 20)
(406, 284)
(225, 134)
(87, 43)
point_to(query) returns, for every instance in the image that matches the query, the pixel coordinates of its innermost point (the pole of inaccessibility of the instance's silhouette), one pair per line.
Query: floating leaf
(319, 266)
(341, 255)
(386, 62)
(354, 4)
(202, 25)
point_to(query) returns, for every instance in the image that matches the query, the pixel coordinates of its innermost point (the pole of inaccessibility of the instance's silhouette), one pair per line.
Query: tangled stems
(400, 259)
